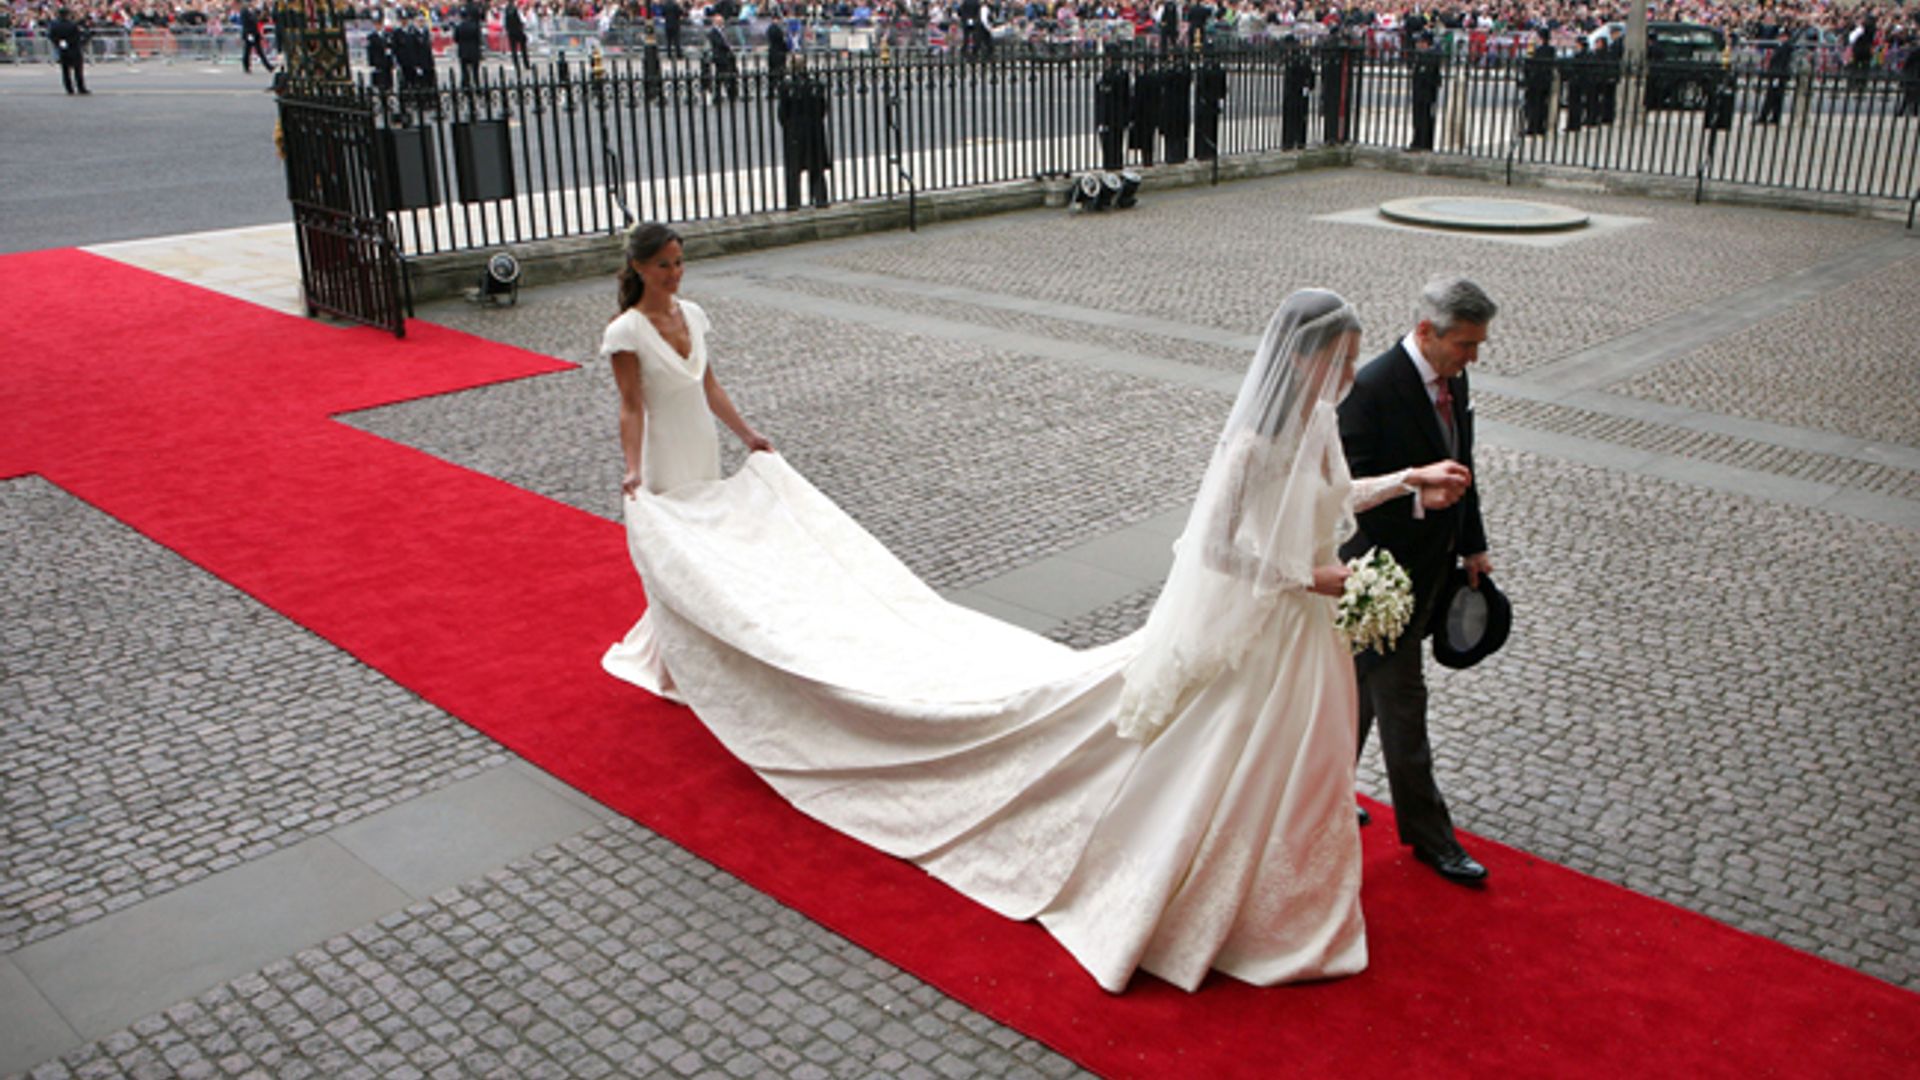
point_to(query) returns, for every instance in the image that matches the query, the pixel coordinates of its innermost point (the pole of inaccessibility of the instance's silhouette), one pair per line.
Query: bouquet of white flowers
(1376, 603)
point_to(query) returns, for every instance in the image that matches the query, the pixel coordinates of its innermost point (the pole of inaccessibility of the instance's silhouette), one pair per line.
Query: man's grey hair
(1449, 300)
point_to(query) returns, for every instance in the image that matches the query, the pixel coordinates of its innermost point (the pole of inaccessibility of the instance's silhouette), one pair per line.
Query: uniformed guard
(1176, 110)
(1209, 101)
(1426, 63)
(380, 58)
(1112, 110)
(802, 112)
(1296, 93)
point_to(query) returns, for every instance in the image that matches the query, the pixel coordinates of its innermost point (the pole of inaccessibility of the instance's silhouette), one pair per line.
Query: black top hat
(1469, 625)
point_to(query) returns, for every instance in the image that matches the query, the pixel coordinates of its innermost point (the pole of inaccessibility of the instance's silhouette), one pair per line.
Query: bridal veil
(1251, 534)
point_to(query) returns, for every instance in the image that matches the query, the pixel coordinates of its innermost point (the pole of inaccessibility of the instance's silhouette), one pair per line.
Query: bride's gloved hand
(1440, 484)
(1331, 579)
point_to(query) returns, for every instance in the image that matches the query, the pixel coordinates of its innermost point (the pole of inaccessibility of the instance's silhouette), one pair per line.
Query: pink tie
(1443, 403)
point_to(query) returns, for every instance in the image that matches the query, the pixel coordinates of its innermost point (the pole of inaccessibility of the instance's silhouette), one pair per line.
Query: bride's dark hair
(644, 241)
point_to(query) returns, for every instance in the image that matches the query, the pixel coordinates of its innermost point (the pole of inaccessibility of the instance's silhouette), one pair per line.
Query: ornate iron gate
(349, 266)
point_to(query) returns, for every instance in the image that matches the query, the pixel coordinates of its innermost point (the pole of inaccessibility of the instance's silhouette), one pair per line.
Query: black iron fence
(570, 149)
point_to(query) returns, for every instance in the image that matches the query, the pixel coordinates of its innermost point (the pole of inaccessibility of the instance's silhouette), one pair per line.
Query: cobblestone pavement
(1809, 367)
(612, 954)
(1707, 696)
(162, 726)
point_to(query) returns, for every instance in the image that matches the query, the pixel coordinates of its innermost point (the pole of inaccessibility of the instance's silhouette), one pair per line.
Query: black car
(1686, 63)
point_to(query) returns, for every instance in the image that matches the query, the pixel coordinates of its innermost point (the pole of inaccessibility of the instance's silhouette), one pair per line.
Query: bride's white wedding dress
(989, 755)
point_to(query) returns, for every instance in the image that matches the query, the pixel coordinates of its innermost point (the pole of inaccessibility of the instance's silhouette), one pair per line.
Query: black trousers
(517, 48)
(73, 74)
(816, 185)
(1393, 690)
(253, 48)
(1422, 125)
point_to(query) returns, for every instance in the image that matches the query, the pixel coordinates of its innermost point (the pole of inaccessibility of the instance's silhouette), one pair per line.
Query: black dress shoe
(1365, 818)
(1456, 865)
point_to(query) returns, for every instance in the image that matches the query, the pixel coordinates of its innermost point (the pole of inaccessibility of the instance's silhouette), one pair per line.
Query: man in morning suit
(1409, 407)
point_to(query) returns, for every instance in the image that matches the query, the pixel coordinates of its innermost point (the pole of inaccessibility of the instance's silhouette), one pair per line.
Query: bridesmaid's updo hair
(644, 241)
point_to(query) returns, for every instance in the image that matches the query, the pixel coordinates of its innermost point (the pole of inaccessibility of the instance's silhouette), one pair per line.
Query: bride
(1178, 801)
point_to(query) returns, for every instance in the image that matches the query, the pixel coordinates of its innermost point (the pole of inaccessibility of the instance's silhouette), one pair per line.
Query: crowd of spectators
(1878, 33)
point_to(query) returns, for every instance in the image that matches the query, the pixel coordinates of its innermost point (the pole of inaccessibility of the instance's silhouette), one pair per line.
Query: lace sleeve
(1232, 548)
(1371, 491)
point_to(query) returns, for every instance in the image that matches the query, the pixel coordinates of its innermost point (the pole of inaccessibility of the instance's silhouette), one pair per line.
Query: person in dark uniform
(1778, 67)
(1910, 78)
(425, 72)
(1169, 24)
(1606, 86)
(1196, 16)
(671, 16)
(1426, 63)
(1576, 85)
(380, 58)
(1537, 92)
(1337, 63)
(1296, 93)
(1146, 112)
(802, 112)
(1176, 110)
(251, 43)
(777, 48)
(1209, 101)
(1112, 109)
(468, 46)
(723, 65)
(69, 44)
(975, 40)
(516, 28)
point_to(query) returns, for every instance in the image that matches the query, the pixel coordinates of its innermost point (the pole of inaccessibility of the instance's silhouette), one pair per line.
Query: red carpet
(203, 423)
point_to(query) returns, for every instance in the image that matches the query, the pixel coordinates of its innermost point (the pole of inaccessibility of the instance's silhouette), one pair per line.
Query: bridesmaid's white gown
(984, 753)
(679, 448)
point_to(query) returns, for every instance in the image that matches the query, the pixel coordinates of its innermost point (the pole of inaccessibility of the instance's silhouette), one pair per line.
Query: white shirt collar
(1427, 374)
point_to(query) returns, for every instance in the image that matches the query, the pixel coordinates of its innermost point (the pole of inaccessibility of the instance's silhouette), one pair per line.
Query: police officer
(251, 43)
(1296, 93)
(777, 48)
(724, 66)
(1112, 103)
(1537, 95)
(516, 28)
(1209, 101)
(69, 43)
(1426, 63)
(468, 45)
(380, 58)
(802, 112)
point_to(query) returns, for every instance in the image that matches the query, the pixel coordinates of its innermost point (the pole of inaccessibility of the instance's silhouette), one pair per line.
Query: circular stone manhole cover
(1483, 215)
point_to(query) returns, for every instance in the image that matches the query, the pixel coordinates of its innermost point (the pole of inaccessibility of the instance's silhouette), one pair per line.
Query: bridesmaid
(666, 430)
(669, 398)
